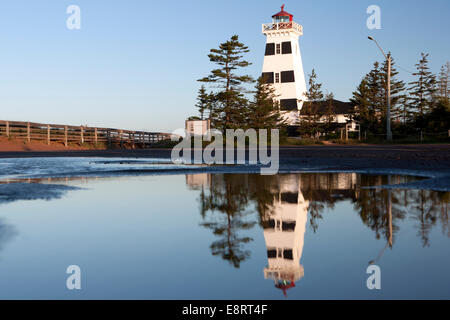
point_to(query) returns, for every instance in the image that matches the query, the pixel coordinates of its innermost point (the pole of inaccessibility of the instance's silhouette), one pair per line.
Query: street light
(388, 112)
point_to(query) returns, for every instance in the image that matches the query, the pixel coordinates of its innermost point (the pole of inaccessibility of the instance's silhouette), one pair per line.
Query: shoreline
(406, 157)
(432, 162)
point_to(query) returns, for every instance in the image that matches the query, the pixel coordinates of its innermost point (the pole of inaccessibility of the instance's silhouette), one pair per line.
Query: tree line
(229, 203)
(421, 106)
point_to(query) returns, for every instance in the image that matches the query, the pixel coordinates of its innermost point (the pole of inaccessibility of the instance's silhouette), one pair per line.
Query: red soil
(22, 145)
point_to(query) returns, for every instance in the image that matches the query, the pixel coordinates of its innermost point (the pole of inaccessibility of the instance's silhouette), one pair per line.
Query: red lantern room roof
(283, 13)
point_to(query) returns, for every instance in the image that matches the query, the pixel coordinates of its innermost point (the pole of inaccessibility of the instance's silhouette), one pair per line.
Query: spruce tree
(397, 91)
(203, 102)
(310, 117)
(329, 113)
(229, 98)
(376, 94)
(264, 112)
(364, 113)
(422, 90)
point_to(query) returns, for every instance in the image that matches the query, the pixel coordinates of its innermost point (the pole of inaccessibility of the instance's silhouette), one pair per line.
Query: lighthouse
(283, 66)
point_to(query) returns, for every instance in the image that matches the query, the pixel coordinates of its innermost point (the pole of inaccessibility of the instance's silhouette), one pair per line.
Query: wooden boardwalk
(78, 134)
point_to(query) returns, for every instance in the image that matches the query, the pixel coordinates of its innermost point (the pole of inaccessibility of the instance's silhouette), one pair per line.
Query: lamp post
(388, 111)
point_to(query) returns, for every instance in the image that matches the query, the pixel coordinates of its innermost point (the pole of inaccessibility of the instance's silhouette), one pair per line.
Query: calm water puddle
(224, 236)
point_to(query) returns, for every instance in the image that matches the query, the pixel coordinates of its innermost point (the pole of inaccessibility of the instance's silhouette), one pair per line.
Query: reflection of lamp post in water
(389, 211)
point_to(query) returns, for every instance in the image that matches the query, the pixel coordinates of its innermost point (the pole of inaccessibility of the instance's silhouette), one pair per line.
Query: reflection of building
(197, 181)
(285, 226)
(284, 235)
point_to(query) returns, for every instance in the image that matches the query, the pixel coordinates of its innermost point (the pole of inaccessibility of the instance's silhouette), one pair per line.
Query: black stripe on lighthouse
(286, 47)
(287, 76)
(270, 49)
(288, 104)
(267, 77)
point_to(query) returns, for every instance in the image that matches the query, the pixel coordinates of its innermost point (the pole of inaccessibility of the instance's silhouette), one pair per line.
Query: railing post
(65, 136)
(95, 136)
(48, 134)
(7, 129)
(82, 134)
(28, 132)
(108, 137)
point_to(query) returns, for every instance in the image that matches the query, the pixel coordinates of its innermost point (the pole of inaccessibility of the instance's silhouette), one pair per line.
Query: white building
(198, 127)
(341, 111)
(283, 63)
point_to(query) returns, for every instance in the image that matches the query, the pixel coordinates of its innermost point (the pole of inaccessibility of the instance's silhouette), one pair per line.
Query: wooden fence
(78, 134)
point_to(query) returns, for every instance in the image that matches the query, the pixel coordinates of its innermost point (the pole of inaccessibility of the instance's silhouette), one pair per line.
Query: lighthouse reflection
(284, 232)
(288, 207)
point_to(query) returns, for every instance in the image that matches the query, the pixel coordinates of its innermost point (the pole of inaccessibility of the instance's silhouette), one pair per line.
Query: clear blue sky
(134, 63)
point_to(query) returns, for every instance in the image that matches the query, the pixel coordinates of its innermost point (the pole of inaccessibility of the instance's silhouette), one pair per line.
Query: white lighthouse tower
(283, 63)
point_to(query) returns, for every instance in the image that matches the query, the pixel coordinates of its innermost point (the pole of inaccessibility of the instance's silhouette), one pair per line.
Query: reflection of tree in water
(427, 208)
(423, 206)
(231, 197)
(373, 207)
(7, 232)
(226, 204)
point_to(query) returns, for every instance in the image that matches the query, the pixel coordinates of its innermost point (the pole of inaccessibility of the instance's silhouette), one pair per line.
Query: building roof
(283, 13)
(321, 107)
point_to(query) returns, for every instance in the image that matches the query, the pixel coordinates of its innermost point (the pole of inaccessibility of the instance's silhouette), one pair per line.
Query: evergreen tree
(264, 112)
(364, 113)
(404, 114)
(376, 95)
(329, 113)
(369, 100)
(422, 90)
(371, 97)
(314, 93)
(229, 101)
(203, 102)
(397, 92)
(310, 118)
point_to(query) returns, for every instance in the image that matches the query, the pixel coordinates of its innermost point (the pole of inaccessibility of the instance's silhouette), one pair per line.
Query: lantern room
(282, 16)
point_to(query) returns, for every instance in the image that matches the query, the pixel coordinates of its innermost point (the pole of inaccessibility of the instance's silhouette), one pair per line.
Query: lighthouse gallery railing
(282, 26)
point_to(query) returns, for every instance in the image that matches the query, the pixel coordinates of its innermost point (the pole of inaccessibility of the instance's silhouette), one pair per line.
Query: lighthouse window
(289, 197)
(288, 254)
(286, 47)
(288, 104)
(270, 49)
(267, 77)
(277, 77)
(278, 48)
(272, 253)
(287, 76)
(289, 225)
